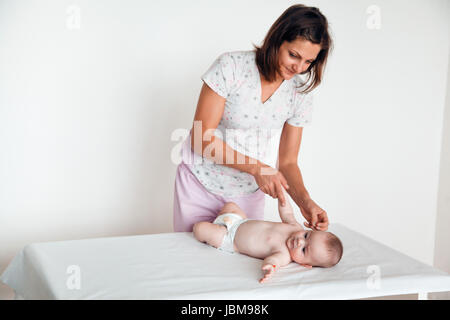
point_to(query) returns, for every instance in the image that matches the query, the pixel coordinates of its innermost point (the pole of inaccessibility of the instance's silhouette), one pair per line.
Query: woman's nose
(304, 67)
(301, 67)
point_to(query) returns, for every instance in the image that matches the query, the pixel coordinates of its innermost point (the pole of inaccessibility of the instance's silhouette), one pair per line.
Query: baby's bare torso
(259, 239)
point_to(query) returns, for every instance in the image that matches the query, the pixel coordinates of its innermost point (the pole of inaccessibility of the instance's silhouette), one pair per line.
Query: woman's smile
(289, 72)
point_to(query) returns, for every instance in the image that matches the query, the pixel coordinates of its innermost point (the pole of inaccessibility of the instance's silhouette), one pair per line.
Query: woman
(247, 95)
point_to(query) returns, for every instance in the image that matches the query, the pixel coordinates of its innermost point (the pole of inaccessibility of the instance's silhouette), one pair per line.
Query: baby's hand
(268, 270)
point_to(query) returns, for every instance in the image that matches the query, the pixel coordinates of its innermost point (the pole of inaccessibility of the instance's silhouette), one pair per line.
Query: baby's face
(307, 247)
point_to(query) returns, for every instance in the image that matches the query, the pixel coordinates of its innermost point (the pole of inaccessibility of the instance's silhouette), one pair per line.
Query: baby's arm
(287, 212)
(272, 262)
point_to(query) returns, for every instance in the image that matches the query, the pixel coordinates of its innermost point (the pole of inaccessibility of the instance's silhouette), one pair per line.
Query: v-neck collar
(259, 87)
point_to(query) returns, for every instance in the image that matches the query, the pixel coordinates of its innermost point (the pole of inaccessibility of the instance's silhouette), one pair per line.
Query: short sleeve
(302, 111)
(221, 75)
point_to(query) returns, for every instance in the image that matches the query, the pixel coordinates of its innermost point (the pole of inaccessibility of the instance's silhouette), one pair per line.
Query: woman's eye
(292, 55)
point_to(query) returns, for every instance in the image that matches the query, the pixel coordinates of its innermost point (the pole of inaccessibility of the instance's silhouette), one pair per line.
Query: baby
(278, 243)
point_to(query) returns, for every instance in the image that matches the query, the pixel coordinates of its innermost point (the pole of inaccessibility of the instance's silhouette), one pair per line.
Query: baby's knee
(200, 230)
(232, 207)
(227, 207)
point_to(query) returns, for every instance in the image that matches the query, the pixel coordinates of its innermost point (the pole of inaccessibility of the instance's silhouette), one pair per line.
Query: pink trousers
(193, 203)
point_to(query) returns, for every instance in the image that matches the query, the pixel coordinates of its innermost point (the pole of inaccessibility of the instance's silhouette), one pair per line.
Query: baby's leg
(210, 233)
(231, 207)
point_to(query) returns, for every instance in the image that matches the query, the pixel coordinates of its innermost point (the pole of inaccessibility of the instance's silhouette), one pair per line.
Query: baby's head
(315, 248)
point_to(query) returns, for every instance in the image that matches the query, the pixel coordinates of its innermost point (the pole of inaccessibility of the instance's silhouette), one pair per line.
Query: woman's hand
(317, 217)
(270, 181)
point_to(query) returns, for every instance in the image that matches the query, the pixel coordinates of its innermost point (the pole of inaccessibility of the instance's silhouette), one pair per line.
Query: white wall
(442, 252)
(86, 114)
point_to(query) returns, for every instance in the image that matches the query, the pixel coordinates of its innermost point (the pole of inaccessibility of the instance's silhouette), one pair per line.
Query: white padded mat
(176, 266)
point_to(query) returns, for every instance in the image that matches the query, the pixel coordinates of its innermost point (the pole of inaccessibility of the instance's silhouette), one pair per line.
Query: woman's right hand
(270, 181)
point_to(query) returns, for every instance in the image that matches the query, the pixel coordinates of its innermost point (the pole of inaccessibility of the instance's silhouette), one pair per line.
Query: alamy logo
(73, 20)
(74, 280)
(374, 280)
(374, 19)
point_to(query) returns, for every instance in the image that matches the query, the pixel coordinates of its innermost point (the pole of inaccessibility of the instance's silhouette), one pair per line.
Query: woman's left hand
(317, 217)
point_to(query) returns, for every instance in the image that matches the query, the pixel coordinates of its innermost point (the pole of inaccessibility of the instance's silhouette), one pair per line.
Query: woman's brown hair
(296, 21)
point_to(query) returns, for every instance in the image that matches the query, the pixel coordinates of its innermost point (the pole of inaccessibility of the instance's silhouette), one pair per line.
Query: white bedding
(176, 266)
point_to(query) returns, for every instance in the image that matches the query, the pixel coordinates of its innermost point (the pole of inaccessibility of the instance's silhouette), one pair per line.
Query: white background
(91, 92)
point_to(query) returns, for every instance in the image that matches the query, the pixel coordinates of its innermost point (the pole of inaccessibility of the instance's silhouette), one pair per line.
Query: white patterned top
(247, 125)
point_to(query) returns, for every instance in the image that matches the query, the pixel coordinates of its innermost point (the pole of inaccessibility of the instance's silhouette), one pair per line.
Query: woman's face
(295, 57)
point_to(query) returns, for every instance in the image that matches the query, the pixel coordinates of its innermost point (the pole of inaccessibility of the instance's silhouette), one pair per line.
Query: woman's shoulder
(240, 54)
(239, 57)
(237, 62)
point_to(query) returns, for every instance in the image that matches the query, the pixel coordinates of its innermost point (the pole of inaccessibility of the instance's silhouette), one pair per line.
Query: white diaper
(232, 221)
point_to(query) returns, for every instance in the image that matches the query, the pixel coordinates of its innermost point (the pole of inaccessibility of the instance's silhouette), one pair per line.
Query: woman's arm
(290, 141)
(209, 111)
(287, 164)
(203, 142)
